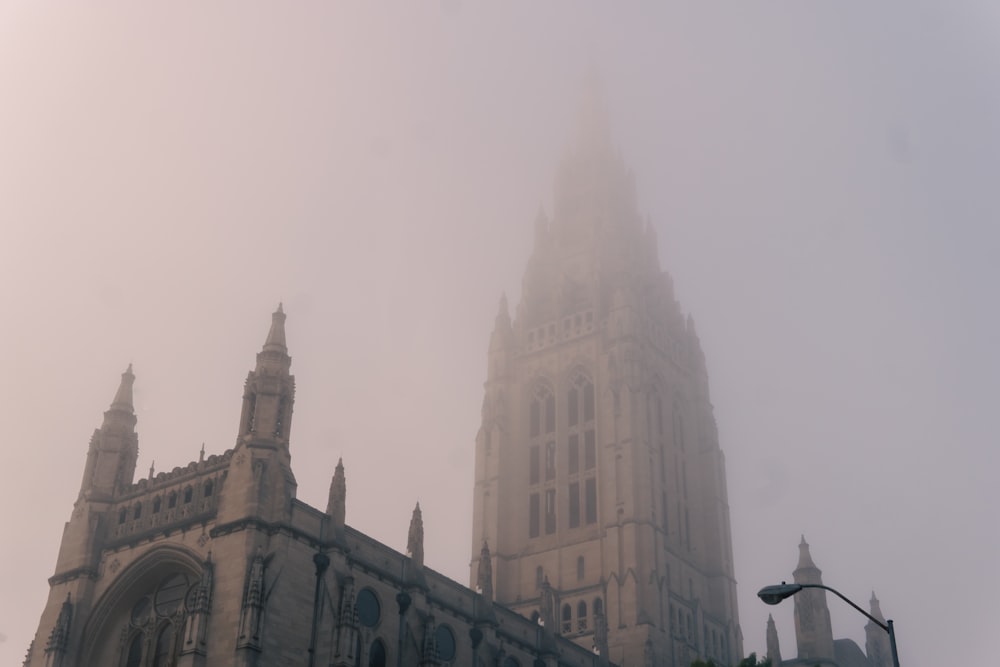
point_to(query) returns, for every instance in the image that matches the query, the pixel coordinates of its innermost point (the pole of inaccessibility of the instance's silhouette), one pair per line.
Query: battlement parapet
(169, 500)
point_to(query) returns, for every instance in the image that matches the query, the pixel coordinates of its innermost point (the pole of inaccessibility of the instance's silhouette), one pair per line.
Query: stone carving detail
(198, 603)
(114, 566)
(253, 605)
(55, 649)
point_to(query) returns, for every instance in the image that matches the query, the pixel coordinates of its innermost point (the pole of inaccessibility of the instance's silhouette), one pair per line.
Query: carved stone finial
(336, 505)
(415, 538)
(484, 575)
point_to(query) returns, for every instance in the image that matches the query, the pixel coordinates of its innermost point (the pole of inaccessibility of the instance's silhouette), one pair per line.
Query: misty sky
(823, 178)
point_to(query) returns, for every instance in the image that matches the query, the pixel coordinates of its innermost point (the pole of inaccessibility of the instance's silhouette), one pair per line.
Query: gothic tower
(600, 485)
(813, 632)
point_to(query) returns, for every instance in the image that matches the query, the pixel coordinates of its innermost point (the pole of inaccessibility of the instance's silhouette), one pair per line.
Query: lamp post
(778, 592)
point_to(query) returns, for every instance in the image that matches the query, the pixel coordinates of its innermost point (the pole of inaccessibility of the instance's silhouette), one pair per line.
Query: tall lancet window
(541, 461)
(581, 466)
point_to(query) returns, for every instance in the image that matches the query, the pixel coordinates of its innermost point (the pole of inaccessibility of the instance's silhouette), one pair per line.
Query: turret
(415, 539)
(260, 478)
(114, 447)
(813, 631)
(269, 391)
(877, 644)
(337, 503)
(773, 649)
(484, 574)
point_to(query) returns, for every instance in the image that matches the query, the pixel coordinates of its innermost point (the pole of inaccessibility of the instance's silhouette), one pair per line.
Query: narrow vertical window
(550, 460)
(567, 619)
(588, 402)
(573, 406)
(581, 616)
(539, 580)
(580, 570)
(535, 418)
(251, 412)
(376, 654)
(573, 454)
(574, 505)
(591, 500)
(164, 647)
(134, 656)
(533, 509)
(533, 464)
(589, 450)
(550, 413)
(550, 511)
(279, 422)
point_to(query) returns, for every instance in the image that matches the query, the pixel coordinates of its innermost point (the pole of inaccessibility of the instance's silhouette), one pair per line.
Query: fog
(823, 179)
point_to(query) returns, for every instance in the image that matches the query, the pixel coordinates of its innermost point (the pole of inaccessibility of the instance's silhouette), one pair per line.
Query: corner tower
(599, 477)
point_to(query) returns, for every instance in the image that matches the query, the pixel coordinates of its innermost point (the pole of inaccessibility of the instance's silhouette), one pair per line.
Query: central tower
(600, 497)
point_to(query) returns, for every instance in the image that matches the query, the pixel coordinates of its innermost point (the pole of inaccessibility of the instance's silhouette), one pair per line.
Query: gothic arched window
(153, 622)
(542, 412)
(567, 619)
(134, 656)
(163, 657)
(581, 616)
(208, 488)
(376, 654)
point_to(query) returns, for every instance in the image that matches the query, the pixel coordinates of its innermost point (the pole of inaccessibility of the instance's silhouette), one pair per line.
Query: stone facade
(600, 492)
(218, 564)
(814, 632)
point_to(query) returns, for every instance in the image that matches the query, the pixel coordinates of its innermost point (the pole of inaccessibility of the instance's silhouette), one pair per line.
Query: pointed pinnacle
(276, 335)
(123, 397)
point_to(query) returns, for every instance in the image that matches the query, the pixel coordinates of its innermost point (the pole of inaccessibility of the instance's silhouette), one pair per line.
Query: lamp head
(777, 593)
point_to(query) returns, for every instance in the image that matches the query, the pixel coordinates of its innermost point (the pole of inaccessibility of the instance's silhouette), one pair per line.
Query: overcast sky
(823, 178)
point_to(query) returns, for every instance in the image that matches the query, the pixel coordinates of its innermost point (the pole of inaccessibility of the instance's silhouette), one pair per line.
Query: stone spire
(415, 539)
(276, 336)
(270, 389)
(877, 645)
(336, 506)
(114, 448)
(813, 631)
(805, 558)
(484, 575)
(773, 649)
(123, 397)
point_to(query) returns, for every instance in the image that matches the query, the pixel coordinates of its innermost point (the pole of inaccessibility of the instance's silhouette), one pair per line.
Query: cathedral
(601, 522)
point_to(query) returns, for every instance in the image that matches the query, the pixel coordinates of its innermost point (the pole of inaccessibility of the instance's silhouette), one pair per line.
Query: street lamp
(778, 592)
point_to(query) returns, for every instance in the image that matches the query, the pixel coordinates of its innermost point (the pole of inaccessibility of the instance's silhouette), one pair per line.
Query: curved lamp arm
(777, 593)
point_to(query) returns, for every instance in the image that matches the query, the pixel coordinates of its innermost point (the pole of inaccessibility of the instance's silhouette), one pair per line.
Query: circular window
(445, 641)
(369, 610)
(171, 594)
